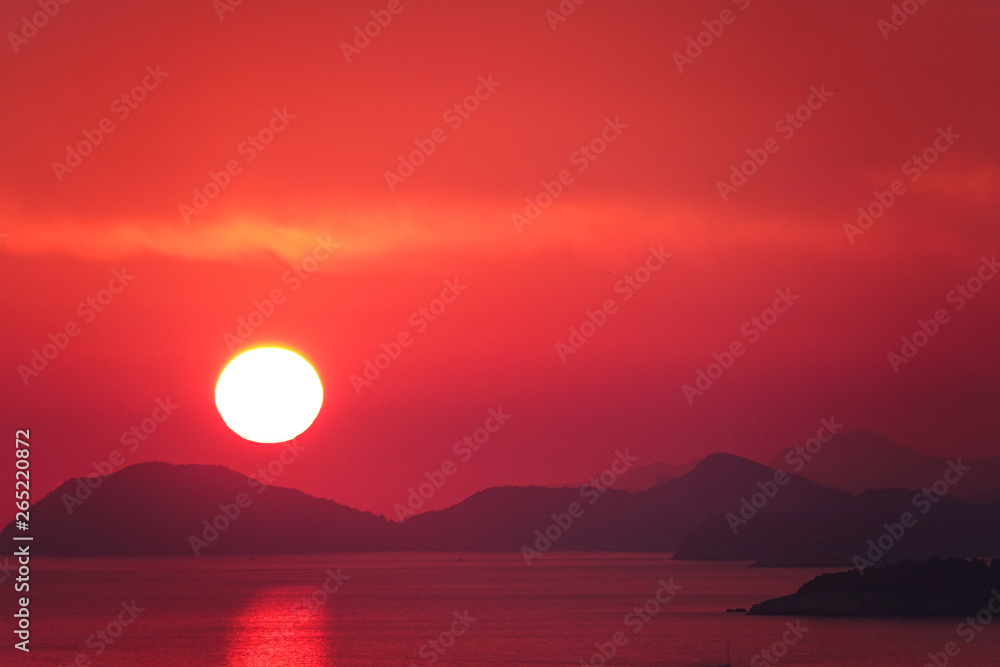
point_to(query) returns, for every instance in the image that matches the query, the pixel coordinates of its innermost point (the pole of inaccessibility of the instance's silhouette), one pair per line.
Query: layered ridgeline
(507, 518)
(726, 507)
(859, 461)
(644, 477)
(930, 508)
(159, 508)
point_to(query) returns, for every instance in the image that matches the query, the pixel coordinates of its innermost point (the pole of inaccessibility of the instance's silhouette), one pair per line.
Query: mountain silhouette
(505, 518)
(859, 461)
(165, 509)
(155, 508)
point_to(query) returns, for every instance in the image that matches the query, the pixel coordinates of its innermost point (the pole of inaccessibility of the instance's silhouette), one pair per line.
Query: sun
(268, 394)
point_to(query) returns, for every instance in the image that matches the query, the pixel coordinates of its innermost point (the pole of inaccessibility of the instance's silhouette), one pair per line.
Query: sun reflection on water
(279, 627)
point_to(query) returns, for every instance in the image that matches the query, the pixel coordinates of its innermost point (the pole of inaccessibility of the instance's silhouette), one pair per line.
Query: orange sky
(264, 103)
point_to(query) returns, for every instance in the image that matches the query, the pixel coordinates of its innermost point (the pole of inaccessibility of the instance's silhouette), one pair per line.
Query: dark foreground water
(477, 609)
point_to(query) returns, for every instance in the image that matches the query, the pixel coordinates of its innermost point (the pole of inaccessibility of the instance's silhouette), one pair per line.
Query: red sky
(656, 184)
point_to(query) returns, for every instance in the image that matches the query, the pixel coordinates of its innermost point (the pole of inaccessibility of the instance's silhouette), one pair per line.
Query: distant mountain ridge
(645, 477)
(725, 507)
(504, 518)
(859, 461)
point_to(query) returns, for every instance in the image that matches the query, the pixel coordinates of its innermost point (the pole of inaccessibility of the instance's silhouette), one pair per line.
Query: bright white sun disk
(268, 394)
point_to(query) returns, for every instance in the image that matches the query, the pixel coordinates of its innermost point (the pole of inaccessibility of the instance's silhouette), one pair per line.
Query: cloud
(596, 229)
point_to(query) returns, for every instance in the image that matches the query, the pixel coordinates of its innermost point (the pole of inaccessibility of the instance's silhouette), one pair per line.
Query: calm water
(241, 612)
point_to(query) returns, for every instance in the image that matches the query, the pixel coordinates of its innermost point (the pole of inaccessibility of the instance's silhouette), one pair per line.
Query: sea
(453, 609)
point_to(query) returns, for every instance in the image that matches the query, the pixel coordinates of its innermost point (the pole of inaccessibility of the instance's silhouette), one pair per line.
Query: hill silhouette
(155, 508)
(935, 587)
(164, 509)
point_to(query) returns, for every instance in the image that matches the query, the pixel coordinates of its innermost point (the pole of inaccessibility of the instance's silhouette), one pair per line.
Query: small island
(935, 587)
